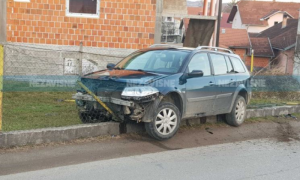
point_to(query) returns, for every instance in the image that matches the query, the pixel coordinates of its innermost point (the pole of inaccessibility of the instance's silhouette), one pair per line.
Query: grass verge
(33, 110)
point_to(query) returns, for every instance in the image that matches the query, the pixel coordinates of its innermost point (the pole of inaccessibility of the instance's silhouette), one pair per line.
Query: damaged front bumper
(85, 97)
(139, 111)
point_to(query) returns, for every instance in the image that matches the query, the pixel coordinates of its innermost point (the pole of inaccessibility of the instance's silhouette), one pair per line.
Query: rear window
(238, 65)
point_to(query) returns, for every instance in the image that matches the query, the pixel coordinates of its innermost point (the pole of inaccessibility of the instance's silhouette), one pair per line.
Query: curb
(64, 134)
(61, 134)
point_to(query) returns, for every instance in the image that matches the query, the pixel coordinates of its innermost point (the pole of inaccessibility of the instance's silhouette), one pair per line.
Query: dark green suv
(162, 85)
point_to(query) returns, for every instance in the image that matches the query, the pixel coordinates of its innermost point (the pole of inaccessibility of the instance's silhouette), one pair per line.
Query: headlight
(139, 91)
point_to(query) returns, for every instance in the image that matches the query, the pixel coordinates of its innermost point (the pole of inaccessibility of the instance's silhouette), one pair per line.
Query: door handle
(211, 83)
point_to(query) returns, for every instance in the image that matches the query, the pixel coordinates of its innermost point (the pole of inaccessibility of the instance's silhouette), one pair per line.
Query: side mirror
(196, 73)
(110, 66)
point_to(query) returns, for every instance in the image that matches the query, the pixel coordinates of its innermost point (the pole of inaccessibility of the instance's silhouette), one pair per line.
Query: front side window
(200, 62)
(237, 64)
(219, 63)
(161, 61)
(83, 8)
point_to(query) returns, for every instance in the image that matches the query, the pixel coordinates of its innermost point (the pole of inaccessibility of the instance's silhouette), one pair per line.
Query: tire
(238, 113)
(166, 122)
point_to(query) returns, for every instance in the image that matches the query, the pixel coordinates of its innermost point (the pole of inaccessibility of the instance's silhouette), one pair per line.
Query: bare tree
(228, 6)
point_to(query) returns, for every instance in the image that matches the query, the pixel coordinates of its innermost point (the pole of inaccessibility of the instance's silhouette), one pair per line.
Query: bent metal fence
(39, 80)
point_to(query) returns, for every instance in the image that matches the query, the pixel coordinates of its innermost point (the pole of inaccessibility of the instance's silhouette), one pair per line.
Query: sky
(225, 1)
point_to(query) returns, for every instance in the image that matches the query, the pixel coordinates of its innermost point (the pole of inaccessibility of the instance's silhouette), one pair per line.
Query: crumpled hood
(126, 76)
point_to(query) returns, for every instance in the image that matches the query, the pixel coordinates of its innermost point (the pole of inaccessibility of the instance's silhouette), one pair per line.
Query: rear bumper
(86, 97)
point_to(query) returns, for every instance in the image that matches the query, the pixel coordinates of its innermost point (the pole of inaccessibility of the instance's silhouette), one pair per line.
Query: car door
(225, 82)
(200, 92)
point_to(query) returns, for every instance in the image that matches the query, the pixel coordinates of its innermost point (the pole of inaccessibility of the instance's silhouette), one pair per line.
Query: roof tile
(252, 11)
(262, 47)
(237, 38)
(282, 38)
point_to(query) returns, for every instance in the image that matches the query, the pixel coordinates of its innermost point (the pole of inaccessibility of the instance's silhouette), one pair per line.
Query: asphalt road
(269, 150)
(255, 159)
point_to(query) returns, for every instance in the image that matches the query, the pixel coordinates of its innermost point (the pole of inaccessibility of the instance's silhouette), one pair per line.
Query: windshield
(160, 61)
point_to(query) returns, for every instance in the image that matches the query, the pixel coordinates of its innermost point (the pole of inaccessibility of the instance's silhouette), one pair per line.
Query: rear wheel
(238, 114)
(166, 122)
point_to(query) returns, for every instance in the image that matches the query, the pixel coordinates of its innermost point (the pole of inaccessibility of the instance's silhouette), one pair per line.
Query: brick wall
(258, 61)
(240, 52)
(285, 58)
(126, 24)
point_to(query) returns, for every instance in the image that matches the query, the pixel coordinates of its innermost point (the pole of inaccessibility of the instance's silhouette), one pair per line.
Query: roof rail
(163, 45)
(215, 49)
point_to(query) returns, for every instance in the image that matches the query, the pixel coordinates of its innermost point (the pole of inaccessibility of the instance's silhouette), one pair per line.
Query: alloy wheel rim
(166, 121)
(240, 111)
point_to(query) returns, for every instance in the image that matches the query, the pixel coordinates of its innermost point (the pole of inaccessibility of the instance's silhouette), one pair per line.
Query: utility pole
(219, 23)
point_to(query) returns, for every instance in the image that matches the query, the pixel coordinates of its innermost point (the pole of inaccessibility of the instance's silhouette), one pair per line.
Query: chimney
(284, 22)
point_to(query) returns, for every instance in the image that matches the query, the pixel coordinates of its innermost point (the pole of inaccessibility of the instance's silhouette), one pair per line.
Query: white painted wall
(257, 29)
(277, 17)
(72, 66)
(237, 22)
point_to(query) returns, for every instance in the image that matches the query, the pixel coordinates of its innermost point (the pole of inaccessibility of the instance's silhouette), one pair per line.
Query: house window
(276, 22)
(83, 8)
(169, 18)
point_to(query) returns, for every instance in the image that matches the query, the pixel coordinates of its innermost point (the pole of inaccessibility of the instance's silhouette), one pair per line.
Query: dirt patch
(285, 132)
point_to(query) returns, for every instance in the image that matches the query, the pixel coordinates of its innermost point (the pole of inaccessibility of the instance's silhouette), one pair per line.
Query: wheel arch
(241, 91)
(176, 99)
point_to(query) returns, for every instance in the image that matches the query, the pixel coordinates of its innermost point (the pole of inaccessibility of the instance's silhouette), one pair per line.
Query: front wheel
(165, 123)
(238, 114)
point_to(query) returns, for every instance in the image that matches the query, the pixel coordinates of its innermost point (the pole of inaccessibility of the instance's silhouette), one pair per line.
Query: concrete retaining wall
(62, 134)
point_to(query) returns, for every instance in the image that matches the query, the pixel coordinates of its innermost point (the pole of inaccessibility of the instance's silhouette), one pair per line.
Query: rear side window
(219, 63)
(229, 65)
(238, 65)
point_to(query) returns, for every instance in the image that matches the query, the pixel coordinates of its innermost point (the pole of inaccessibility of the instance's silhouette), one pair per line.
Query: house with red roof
(224, 23)
(273, 47)
(283, 39)
(257, 16)
(241, 44)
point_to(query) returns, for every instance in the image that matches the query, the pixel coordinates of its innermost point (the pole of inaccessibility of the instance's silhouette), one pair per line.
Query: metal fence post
(80, 60)
(1, 83)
